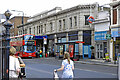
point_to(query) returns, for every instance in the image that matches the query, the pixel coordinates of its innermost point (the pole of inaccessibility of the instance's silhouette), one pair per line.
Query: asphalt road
(43, 68)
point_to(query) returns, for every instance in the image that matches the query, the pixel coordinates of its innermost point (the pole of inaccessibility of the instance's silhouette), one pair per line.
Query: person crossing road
(67, 67)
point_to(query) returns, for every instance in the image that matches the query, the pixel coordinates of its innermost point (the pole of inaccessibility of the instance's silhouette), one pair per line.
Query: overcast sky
(32, 7)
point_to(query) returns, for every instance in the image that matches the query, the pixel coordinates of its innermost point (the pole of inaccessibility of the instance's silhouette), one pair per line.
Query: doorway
(99, 51)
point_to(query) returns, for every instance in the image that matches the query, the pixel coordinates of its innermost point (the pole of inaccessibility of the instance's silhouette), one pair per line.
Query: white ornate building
(67, 25)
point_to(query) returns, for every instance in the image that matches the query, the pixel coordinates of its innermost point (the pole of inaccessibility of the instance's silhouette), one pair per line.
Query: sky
(32, 7)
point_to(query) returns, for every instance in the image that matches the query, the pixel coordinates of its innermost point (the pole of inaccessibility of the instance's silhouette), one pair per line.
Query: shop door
(99, 51)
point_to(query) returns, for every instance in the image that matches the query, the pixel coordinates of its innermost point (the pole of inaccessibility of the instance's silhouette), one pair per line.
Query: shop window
(63, 39)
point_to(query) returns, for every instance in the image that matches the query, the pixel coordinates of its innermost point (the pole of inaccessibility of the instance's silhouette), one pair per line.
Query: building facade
(101, 28)
(115, 28)
(67, 25)
(17, 20)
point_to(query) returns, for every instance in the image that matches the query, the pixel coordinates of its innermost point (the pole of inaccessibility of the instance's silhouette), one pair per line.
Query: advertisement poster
(71, 48)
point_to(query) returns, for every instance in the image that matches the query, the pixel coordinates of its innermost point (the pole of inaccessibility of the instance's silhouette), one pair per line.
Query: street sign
(90, 19)
(108, 36)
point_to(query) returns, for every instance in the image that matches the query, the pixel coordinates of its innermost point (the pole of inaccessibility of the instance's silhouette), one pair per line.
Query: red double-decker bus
(25, 45)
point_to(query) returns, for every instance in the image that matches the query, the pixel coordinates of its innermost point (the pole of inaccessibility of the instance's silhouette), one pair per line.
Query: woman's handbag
(22, 73)
(22, 69)
(56, 77)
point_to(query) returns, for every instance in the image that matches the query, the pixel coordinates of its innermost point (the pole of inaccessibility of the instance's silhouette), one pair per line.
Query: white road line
(40, 70)
(94, 71)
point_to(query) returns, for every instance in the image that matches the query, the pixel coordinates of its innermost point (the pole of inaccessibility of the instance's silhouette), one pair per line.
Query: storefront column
(67, 39)
(108, 47)
(55, 46)
(111, 50)
(80, 38)
(93, 42)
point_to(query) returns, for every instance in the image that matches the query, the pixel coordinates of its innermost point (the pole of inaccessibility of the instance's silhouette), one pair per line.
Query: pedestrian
(67, 66)
(14, 66)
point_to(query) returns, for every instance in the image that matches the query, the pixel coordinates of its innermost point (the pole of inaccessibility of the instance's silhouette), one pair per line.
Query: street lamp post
(5, 54)
(22, 18)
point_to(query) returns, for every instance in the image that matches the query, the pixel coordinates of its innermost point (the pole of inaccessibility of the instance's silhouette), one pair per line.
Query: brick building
(16, 20)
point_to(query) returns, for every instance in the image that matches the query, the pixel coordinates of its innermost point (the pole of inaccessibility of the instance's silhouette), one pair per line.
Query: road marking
(94, 71)
(40, 70)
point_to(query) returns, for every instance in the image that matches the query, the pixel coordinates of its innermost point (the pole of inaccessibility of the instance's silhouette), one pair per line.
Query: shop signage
(100, 35)
(108, 36)
(115, 32)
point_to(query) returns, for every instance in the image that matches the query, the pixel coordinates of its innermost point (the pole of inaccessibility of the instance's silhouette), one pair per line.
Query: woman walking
(67, 66)
(14, 66)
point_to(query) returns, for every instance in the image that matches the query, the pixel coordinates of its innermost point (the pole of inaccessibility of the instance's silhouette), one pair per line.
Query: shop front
(71, 49)
(50, 46)
(115, 33)
(40, 41)
(41, 44)
(73, 37)
(100, 44)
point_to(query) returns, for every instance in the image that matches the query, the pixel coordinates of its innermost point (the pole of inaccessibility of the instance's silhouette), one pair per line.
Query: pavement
(97, 62)
(94, 62)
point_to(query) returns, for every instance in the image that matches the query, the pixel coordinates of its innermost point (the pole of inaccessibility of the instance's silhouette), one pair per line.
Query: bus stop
(71, 47)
